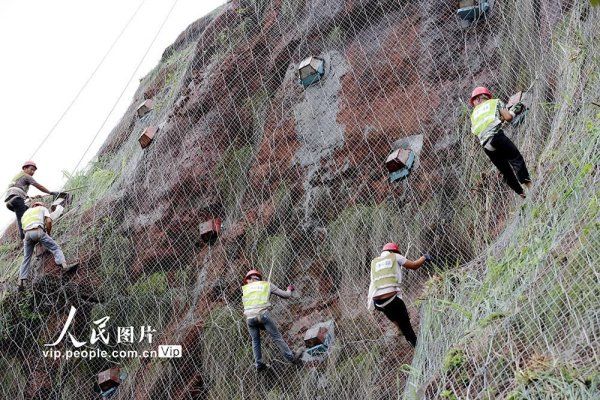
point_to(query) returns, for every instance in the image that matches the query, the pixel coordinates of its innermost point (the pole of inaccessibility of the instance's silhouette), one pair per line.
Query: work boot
(262, 367)
(23, 285)
(69, 267)
(298, 357)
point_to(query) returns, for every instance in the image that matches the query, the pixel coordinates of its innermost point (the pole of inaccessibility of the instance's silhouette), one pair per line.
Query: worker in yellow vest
(17, 192)
(255, 298)
(384, 291)
(37, 225)
(486, 123)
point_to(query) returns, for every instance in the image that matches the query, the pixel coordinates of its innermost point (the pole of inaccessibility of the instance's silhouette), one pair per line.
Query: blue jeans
(31, 238)
(265, 322)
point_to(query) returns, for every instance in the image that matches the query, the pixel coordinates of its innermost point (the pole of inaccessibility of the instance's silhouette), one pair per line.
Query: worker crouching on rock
(37, 224)
(17, 192)
(255, 297)
(486, 123)
(384, 291)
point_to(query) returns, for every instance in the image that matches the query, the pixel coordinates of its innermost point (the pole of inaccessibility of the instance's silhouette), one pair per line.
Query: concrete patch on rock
(316, 116)
(317, 128)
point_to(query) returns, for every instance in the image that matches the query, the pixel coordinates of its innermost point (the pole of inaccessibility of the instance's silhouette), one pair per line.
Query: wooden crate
(109, 379)
(147, 136)
(145, 108)
(315, 336)
(514, 99)
(210, 230)
(397, 160)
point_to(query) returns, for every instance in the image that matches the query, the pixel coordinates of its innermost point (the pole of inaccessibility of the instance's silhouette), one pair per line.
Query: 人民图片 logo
(128, 335)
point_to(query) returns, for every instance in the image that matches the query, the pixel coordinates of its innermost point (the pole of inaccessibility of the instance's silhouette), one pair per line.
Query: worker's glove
(518, 108)
(428, 258)
(291, 288)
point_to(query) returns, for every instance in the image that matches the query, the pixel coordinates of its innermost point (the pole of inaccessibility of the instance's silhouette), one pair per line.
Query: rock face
(298, 178)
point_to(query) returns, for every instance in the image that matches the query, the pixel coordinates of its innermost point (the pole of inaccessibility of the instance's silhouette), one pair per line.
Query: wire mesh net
(296, 175)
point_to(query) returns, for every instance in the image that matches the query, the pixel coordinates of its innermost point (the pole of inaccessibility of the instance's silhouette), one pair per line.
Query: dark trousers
(17, 204)
(509, 161)
(397, 313)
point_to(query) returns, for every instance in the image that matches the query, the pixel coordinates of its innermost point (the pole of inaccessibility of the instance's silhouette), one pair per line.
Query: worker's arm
(416, 264)
(506, 115)
(48, 224)
(286, 294)
(370, 303)
(42, 188)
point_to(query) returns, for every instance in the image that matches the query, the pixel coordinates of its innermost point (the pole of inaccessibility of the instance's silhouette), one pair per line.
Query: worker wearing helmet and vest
(486, 123)
(37, 224)
(17, 192)
(384, 291)
(255, 298)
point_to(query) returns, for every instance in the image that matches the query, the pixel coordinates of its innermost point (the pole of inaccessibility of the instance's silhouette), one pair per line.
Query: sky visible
(49, 50)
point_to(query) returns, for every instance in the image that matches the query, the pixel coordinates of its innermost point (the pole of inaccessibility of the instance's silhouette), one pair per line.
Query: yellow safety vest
(33, 218)
(256, 295)
(483, 116)
(383, 271)
(14, 180)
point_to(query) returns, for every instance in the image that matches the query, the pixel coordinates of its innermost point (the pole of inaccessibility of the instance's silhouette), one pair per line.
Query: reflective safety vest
(483, 116)
(14, 190)
(33, 218)
(14, 180)
(383, 271)
(256, 295)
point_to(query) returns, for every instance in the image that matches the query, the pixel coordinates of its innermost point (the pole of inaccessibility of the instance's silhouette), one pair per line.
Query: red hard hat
(250, 273)
(477, 91)
(29, 163)
(391, 247)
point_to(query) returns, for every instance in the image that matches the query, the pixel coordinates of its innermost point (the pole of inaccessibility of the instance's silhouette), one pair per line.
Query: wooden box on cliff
(109, 379)
(315, 336)
(63, 199)
(514, 99)
(469, 11)
(147, 136)
(145, 108)
(210, 230)
(397, 160)
(311, 70)
(522, 98)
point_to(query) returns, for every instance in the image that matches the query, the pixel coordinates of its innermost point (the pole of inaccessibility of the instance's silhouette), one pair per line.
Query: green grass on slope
(522, 321)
